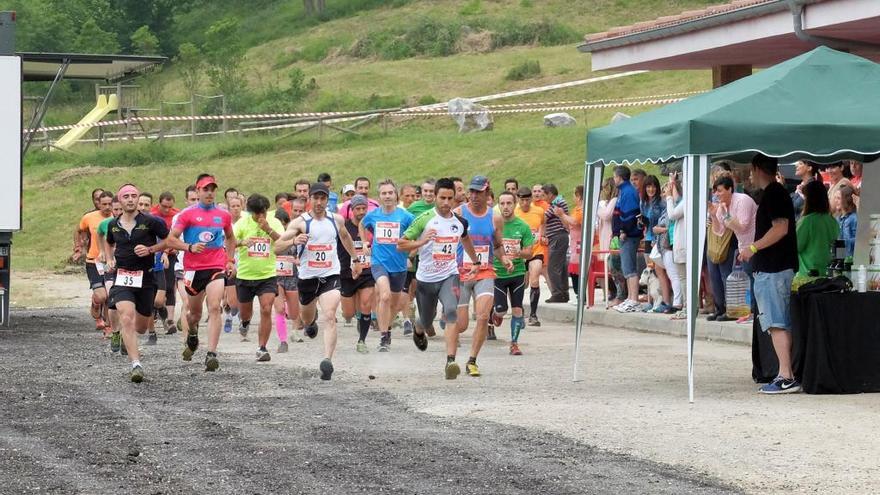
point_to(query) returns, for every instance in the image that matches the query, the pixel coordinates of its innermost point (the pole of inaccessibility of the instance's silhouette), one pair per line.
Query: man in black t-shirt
(774, 260)
(134, 238)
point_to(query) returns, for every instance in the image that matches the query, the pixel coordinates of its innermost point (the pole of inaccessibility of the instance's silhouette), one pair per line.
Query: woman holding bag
(733, 215)
(653, 209)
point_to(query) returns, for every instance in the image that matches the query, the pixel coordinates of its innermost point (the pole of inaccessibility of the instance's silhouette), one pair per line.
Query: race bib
(284, 266)
(101, 267)
(360, 255)
(188, 277)
(511, 246)
(259, 248)
(444, 248)
(482, 261)
(126, 278)
(319, 255)
(387, 232)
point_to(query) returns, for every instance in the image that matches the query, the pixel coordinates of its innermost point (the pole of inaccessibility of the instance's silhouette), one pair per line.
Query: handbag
(718, 246)
(655, 253)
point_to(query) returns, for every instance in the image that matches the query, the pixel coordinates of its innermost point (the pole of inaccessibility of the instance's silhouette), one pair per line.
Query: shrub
(512, 32)
(427, 100)
(525, 70)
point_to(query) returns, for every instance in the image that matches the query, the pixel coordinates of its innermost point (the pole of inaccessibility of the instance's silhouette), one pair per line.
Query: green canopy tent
(823, 105)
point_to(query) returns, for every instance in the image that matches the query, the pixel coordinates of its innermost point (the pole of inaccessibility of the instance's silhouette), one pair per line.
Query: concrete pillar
(724, 74)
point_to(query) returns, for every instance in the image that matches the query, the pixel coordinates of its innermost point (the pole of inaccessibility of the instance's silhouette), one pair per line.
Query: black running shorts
(247, 290)
(311, 288)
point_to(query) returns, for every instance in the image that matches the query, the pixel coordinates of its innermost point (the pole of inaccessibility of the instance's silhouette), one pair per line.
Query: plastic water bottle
(736, 291)
(862, 279)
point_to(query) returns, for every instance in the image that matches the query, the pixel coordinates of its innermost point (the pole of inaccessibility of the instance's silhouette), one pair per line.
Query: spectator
(604, 216)
(807, 171)
(556, 232)
(637, 176)
(845, 208)
(736, 212)
(675, 260)
(774, 260)
(574, 237)
(653, 207)
(626, 228)
(836, 179)
(816, 230)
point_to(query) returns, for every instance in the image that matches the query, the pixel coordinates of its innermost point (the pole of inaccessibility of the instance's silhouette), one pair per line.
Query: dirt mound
(475, 42)
(67, 176)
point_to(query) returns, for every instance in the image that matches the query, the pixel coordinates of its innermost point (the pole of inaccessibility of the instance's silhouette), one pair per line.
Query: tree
(93, 39)
(190, 64)
(144, 42)
(224, 54)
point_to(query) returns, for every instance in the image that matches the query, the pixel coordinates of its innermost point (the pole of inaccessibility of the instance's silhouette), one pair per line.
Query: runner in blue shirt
(387, 224)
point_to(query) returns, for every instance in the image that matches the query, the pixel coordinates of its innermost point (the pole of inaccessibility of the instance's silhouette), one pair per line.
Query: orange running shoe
(514, 349)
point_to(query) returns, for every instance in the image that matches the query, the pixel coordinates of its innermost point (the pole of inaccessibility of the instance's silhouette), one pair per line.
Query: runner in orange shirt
(87, 234)
(533, 215)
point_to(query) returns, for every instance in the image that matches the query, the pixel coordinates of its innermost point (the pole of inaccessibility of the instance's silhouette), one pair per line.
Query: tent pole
(696, 177)
(592, 182)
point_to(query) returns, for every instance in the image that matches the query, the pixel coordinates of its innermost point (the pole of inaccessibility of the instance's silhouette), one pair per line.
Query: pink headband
(127, 189)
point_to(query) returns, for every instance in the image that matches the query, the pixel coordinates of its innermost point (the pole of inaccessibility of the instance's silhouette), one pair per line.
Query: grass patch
(526, 70)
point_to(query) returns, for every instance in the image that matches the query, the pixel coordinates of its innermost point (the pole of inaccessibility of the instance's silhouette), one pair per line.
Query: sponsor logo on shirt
(206, 236)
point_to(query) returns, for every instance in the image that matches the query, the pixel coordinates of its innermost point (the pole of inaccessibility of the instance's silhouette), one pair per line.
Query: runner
(348, 192)
(300, 190)
(256, 234)
(436, 235)
(461, 196)
(160, 263)
(87, 235)
(109, 275)
(228, 196)
(511, 185)
(484, 231)
(318, 232)
(388, 264)
(209, 243)
(166, 211)
(134, 238)
(357, 292)
(533, 216)
(407, 196)
(191, 198)
(426, 202)
(287, 302)
(230, 296)
(333, 201)
(518, 240)
(423, 204)
(362, 187)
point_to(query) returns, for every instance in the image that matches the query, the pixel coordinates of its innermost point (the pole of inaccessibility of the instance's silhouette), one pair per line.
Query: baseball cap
(347, 188)
(479, 183)
(319, 188)
(205, 182)
(358, 200)
(524, 192)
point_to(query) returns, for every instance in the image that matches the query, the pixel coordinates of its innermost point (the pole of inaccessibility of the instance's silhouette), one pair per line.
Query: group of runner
(308, 253)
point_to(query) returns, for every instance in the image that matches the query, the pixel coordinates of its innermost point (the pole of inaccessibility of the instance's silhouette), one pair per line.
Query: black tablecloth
(836, 344)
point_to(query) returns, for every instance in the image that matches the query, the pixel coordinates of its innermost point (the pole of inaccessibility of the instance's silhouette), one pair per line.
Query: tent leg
(592, 182)
(696, 179)
(40, 112)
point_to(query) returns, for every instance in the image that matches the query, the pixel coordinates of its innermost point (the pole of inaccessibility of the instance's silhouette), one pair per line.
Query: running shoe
(347, 322)
(385, 342)
(152, 338)
(192, 343)
(122, 350)
(326, 368)
(227, 324)
(115, 342)
(514, 349)
(312, 330)
(420, 340)
(491, 334)
(496, 319)
(137, 374)
(781, 386)
(244, 333)
(473, 369)
(263, 356)
(170, 327)
(211, 362)
(430, 331)
(661, 308)
(627, 307)
(282, 347)
(533, 321)
(452, 370)
(407, 327)
(396, 323)
(362, 347)
(296, 336)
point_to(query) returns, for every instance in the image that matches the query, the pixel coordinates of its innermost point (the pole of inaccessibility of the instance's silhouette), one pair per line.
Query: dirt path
(73, 424)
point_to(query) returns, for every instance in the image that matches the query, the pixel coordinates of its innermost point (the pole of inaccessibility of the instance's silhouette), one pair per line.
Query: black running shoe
(491, 334)
(192, 343)
(326, 368)
(211, 362)
(152, 338)
(312, 330)
(170, 327)
(420, 340)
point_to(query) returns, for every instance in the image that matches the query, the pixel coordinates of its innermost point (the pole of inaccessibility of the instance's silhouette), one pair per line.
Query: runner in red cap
(209, 243)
